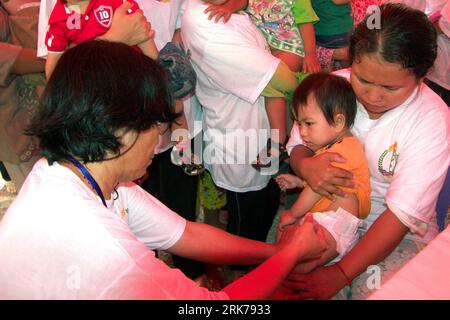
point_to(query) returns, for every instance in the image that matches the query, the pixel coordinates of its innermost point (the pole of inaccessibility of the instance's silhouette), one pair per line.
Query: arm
(149, 48)
(310, 62)
(302, 242)
(319, 173)
(27, 62)
(225, 10)
(131, 29)
(305, 201)
(50, 64)
(379, 241)
(221, 247)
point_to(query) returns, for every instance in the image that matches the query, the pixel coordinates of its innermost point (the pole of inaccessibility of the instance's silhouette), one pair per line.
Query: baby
(325, 108)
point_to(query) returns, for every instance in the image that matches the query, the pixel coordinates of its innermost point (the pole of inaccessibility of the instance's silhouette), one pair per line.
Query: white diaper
(343, 227)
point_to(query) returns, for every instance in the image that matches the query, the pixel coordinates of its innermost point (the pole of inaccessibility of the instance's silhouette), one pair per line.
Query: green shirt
(334, 19)
(303, 12)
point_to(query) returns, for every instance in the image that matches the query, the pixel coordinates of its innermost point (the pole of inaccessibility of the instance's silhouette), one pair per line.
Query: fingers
(123, 8)
(334, 157)
(218, 12)
(226, 17)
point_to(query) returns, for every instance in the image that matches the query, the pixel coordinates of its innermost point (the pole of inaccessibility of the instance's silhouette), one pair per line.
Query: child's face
(315, 130)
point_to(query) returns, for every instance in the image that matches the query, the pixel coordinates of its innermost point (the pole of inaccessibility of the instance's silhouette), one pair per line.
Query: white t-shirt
(165, 18)
(58, 241)
(233, 66)
(408, 152)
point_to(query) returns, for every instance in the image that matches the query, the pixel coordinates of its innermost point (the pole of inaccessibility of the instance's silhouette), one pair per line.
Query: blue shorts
(334, 42)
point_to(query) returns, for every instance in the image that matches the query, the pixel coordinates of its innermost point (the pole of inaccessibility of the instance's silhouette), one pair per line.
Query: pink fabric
(424, 277)
(359, 8)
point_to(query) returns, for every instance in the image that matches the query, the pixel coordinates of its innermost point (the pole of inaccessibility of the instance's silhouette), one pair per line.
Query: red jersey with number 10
(66, 26)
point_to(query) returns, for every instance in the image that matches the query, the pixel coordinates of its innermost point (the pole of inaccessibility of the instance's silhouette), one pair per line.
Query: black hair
(405, 37)
(332, 93)
(96, 90)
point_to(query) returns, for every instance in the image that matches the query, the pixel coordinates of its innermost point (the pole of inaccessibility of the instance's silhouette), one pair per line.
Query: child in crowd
(333, 32)
(325, 107)
(288, 29)
(76, 21)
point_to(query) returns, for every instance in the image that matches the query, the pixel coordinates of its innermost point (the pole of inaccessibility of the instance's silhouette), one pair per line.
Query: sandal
(266, 162)
(191, 167)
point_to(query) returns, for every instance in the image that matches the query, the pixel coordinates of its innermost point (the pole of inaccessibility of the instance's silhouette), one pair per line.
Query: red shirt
(67, 26)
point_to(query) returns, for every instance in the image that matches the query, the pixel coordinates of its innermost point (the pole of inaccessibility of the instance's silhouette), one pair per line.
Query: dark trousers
(178, 192)
(4, 173)
(251, 214)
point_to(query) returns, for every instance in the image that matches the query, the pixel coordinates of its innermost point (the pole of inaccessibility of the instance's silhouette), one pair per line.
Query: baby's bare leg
(327, 256)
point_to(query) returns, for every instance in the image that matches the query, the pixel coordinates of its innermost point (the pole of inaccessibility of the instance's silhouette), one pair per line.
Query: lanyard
(89, 178)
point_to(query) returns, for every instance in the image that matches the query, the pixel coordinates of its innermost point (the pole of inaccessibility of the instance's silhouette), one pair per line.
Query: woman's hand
(323, 177)
(131, 29)
(286, 218)
(305, 237)
(321, 283)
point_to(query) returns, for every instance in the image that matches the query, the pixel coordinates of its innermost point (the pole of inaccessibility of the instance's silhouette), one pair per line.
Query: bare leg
(276, 112)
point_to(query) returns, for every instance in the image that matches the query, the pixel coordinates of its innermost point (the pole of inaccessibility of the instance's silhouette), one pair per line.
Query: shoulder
(429, 110)
(349, 147)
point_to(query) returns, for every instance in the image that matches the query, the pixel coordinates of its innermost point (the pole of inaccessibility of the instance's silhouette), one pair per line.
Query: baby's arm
(50, 64)
(305, 201)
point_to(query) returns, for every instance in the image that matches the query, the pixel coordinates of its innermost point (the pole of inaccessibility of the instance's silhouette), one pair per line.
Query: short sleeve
(294, 138)
(56, 40)
(152, 222)
(224, 64)
(422, 165)
(303, 12)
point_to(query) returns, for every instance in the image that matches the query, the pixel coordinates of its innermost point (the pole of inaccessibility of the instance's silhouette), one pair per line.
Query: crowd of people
(147, 100)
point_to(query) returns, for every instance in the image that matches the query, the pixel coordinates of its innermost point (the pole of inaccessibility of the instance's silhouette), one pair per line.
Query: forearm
(378, 243)
(268, 276)
(220, 247)
(308, 38)
(306, 200)
(149, 48)
(27, 62)
(299, 153)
